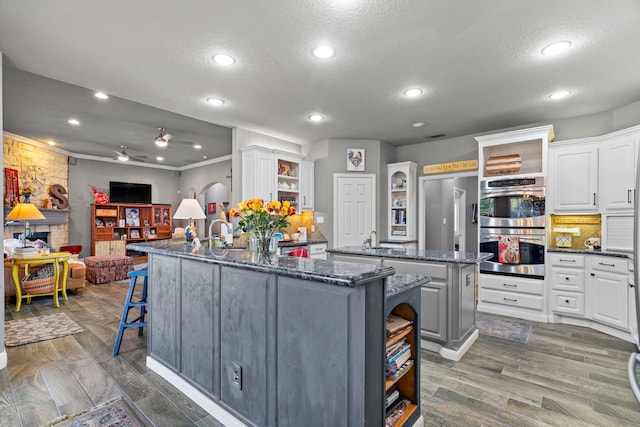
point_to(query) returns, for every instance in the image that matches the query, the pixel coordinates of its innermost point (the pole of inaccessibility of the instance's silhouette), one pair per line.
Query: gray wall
(164, 189)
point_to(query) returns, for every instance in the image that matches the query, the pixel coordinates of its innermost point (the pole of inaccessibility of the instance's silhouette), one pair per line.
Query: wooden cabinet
(277, 175)
(113, 225)
(573, 179)
(402, 208)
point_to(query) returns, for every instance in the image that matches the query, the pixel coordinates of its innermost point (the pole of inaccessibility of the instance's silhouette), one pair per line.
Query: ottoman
(107, 268)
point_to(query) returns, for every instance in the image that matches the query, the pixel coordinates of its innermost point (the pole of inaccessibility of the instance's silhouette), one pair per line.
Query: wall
(164, 189)
(52, 167)
(3, 353)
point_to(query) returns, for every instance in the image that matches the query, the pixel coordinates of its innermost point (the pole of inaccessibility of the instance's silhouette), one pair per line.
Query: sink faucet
(228, 236)
(370, 241)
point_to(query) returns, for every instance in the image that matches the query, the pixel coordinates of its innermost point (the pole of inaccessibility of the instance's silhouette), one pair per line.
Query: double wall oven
(512, 226)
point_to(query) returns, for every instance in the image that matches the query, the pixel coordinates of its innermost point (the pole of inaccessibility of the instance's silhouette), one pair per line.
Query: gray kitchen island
(448, 299)
(291, 342)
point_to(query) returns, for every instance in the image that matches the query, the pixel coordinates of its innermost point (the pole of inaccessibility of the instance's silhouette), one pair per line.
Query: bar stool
(140, 322)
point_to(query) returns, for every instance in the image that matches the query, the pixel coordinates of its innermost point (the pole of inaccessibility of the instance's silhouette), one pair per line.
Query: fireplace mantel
(52, 217)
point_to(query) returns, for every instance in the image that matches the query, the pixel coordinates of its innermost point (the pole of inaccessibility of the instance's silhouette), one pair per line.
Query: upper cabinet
(516, 153)
(277, 175)
(594, 175)
(402, 201)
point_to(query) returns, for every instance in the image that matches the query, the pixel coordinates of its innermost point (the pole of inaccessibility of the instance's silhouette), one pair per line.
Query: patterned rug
(116, 412)
(41, 328)
(511, 330)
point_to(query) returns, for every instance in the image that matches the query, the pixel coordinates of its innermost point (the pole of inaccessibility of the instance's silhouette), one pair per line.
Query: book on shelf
(398, 354)
(394, 415)
(392, 396)
(395, 346)
(397, 324)
(391, 369)
(400, 372)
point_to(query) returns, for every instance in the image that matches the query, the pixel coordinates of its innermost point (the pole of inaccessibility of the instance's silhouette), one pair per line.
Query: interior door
(354, 208)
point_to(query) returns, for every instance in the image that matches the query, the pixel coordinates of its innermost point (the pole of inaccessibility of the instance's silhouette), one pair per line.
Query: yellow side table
(55, 258)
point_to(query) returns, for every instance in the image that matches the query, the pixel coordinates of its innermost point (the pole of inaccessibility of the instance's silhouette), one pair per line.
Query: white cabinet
(573, 178)
(306, 185)
(608, 291)
(617, 172)
(258, 173)
(276, 175)
(567, 284)
(402, 201)
(512, 296)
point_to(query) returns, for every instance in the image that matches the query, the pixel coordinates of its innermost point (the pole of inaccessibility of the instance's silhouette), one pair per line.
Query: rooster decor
(100, 197)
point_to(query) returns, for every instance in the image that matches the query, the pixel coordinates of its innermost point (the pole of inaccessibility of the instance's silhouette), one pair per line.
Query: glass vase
(265, 248)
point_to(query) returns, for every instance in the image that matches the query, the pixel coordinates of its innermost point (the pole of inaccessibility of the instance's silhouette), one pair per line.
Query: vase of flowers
(263, 220)
(26, 192)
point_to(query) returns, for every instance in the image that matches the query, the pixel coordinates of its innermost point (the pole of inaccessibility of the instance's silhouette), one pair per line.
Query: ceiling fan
(162, 140)
(123, 156)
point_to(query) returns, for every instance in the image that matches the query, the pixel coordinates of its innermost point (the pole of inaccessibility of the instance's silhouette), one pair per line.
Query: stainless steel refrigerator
(634, 359)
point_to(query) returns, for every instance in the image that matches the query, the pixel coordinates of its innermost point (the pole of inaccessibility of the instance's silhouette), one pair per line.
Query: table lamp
(189, 209)
(25, 212)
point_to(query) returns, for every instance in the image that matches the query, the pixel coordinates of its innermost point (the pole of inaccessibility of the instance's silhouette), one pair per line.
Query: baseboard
(449, 353)
(216, 411)
(3, 358)
(419, 422)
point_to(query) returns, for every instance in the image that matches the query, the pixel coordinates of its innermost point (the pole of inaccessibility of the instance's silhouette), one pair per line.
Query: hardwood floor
(563, 376)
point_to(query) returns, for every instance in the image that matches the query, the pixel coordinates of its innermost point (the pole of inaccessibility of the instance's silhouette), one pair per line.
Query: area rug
(511, 330)
(116, 412)
(41, 328)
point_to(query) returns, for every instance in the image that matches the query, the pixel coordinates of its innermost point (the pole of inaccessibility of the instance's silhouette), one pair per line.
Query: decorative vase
(264, 247)
(26, 198)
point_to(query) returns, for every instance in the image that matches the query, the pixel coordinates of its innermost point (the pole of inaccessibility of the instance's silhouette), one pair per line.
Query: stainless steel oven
(516, 251)
(512, 202)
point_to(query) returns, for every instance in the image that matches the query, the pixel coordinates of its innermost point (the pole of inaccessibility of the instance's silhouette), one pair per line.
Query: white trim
(374, 193)
(215, 410)
(3, 359)
(448, 353)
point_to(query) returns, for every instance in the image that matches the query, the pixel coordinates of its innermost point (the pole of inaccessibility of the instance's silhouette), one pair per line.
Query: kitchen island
(448, 300)
(292, 342)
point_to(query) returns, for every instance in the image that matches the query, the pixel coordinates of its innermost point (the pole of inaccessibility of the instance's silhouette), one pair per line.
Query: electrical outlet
(320, 220)
(236, 375)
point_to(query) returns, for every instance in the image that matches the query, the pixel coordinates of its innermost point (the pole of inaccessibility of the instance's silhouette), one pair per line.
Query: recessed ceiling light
(560, 94)
(323, 52)
(556, 48)
(159, 158)
(223, 59)
(197, 146)
(413, 92)
(418, 124)
(51, 142)
(316, 117)
(204, 157)
(74, 122)
(215, 101)
(101, 95)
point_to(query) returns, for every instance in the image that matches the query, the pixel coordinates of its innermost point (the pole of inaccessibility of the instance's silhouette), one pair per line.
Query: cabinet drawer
(567, 260)
(317, 248)
(534, 302)
(512, 284)
(567, 279)
(610, 264)
(567, 302)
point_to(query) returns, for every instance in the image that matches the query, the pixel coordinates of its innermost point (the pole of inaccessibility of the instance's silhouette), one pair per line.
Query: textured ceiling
(479, 63)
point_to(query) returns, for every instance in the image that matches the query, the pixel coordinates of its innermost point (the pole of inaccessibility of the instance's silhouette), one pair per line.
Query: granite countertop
(333, 273)
(598, 252)
(416, 254)
(402, 281)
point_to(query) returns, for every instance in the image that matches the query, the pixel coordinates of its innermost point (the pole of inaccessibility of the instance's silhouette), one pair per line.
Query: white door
(459, 216)
(354, 208)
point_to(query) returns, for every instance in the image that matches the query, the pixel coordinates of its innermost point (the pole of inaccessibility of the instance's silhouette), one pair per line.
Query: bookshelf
(401, 201)
(114, 225)
(403, 305)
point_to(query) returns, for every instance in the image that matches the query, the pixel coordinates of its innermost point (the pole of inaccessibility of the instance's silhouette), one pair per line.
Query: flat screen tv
(129, 192)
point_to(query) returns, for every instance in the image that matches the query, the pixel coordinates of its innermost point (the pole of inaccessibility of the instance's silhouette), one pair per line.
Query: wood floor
(563, 376)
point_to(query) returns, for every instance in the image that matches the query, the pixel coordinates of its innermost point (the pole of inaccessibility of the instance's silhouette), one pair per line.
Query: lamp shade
(189, 209)
(25, 212)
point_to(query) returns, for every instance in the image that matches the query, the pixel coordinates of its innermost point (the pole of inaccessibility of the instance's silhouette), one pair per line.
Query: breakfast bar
(275, 343)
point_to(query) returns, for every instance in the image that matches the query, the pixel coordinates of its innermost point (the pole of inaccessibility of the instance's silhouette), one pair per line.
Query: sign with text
(462, 165)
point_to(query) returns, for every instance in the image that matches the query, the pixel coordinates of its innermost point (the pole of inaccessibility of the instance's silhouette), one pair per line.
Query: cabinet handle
(593, 274)
(566, 301)
(510, 299)
(631, 285)
(509, 285)
(628, 196)
(567, 260)
(594, 199)
(566, 278)
(605, 264)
